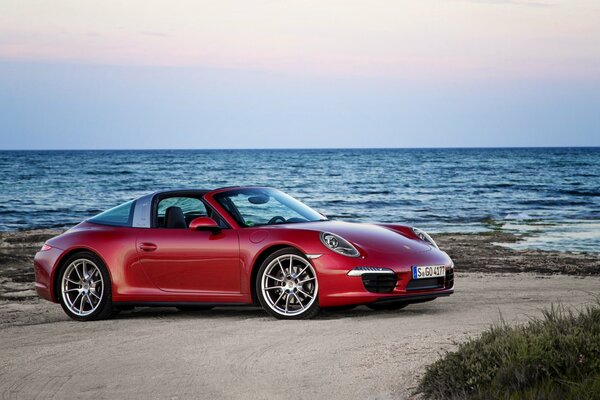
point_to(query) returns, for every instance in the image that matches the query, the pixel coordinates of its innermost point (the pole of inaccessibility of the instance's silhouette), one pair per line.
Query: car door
(177, 259)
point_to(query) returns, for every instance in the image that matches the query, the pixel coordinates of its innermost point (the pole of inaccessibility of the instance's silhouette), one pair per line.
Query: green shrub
(553, 357)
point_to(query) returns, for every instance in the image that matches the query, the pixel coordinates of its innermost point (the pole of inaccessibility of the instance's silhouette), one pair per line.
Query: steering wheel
(275, 219)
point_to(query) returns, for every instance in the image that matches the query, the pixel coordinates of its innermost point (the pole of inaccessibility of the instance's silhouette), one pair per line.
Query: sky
(298, 74)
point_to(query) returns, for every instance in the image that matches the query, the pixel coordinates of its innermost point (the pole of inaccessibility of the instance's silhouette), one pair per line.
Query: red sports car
(195, 249)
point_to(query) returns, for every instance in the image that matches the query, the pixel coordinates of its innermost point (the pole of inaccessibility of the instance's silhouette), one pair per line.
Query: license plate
(428, 272)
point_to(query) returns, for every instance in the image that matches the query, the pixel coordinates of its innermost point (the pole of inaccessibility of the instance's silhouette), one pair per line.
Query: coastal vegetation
(556, 356)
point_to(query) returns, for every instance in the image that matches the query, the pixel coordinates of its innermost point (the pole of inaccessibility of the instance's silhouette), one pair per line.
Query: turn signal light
(46, 247)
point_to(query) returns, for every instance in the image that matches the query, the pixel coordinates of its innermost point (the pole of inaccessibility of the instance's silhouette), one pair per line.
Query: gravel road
(241, 353)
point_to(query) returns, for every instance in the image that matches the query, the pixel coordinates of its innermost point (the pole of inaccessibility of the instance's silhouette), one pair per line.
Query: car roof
(181, 190)
(141, 214)
(202, 191)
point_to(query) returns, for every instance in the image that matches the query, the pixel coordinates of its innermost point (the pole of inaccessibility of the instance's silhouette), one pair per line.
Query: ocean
(550, 196)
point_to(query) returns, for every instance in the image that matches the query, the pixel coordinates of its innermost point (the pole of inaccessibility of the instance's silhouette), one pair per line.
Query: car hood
(367, 236)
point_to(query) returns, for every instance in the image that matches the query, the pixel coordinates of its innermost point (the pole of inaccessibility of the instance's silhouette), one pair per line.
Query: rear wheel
(287, 285)
(388, 306)
(85, 288)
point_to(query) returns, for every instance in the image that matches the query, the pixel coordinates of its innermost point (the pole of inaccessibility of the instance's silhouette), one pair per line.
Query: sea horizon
(309, 148)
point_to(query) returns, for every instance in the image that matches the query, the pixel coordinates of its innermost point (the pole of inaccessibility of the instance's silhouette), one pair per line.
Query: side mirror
(204, 224)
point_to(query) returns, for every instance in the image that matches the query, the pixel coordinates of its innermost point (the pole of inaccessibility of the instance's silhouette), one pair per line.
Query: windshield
(254, 207)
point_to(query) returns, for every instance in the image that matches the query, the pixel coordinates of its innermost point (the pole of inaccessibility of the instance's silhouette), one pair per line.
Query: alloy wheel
(289, 285)
(82, 287)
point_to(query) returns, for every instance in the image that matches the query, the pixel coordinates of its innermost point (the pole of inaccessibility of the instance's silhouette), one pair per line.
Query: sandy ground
(242, 353)
(235, 353)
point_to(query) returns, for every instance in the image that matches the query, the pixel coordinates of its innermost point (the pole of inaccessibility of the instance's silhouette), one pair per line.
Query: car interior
(177, 212)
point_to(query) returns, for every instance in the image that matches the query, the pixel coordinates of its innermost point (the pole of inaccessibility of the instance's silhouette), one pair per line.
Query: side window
(191, 208)
(121, 215)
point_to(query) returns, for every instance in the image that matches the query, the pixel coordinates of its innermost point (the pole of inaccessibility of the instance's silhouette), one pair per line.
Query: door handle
(148, 246)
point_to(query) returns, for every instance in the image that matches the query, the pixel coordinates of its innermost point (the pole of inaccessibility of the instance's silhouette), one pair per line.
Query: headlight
(425, 237)
(338, 244)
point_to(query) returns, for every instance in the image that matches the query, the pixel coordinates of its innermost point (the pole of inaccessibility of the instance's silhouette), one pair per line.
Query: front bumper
(387, 278)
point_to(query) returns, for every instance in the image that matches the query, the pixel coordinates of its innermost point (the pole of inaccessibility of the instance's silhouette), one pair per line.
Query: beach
(235, 352)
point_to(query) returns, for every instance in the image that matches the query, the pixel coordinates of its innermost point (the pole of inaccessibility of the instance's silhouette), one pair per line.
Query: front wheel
(85, 288)
(287, 286)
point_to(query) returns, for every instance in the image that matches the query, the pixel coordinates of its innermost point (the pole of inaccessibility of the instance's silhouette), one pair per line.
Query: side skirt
(176, 304)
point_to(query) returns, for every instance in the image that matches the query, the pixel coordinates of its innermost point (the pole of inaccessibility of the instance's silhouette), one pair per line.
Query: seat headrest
(174, 218)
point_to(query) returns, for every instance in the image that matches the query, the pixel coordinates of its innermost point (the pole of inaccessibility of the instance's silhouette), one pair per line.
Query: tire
(194, 308)
(287, 285)
(85, 297)
(396, 305)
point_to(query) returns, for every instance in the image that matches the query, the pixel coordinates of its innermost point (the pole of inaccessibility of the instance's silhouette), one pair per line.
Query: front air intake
(449, 278)
(379, 283)
(424, 284)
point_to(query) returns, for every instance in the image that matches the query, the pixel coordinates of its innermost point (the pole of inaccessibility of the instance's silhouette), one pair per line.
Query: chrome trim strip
(359, 271)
